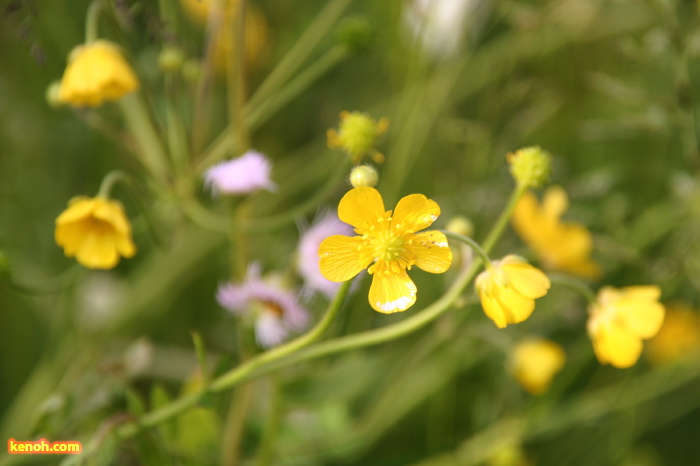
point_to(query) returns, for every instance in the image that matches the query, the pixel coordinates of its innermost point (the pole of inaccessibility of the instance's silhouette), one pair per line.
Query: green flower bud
(357, 134)
(171, 58)
(530, 166)
(364, 175)
(461, 225)
(53, 93)
(355, 34)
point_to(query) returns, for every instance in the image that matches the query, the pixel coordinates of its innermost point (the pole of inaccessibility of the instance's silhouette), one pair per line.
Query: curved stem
(574, 284)
(92, 21)
(502, 221)
(110, 180)
(471, 243)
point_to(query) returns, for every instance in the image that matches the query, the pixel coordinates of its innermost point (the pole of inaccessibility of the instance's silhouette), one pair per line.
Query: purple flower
(245, 174)
(276, 311)
(328, 225)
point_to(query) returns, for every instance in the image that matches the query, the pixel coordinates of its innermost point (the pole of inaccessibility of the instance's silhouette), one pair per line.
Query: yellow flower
(534, 362)
(96, 72)
(357, 135)
(560, 245)
(390, 241)
(678, 338)
(95, 231)
(508, 289)
(621, 319)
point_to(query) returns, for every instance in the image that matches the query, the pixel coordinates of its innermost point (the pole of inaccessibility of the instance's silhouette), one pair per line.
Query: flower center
(388, 246)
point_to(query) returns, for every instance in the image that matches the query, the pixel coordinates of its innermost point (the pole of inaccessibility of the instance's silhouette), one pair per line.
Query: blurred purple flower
(276, 311)
(327, 225)
(245, 174)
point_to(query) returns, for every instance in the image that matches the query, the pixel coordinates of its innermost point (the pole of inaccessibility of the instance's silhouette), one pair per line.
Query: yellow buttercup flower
(96, 72)
(560, 245)
(96, 231)
(357, 134)
(621, 319)
(534, 362)
(508, 289)
(390, 242)
(678, 338)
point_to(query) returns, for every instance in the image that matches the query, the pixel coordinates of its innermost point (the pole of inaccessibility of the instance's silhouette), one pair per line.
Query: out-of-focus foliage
(608, 87)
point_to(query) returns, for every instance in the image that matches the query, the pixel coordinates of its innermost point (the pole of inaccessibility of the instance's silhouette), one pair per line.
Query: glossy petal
(362, 208)
(493, 310)
(527, 280)
(616, 346)
(414, 213)
(391, 292)
(340, 259)
(641, 318)
(432, 252)
(516, 307)
(77, 210)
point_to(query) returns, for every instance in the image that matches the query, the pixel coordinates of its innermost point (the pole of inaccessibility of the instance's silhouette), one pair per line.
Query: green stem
(150, 152)
(92, 21)
(255, 115)
(235, 74)
(266, 451)
(293, 59)
(299, 84)
(177, 143)
(574, 284)
(241, 372)
(471, 243)
(502, 221)
(238, 374)
(201, 356)
(110, 180)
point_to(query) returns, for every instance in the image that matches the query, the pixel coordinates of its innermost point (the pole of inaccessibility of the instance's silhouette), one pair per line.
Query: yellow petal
(391, 292)
(527, 280)
(431, 250)
(641, 318)
(414, 213)
(493, 310)
(643, 293)
(340, 259)
(616, 346)
(112, 213)
(554, 203)
(525, 217)
(76, 211)
(515, 306)
(362, 208)
(97, 250)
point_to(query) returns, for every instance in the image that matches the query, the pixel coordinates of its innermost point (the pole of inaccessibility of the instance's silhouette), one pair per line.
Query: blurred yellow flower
(95, 231)
(508, 289)
(621, 319)
(534, 362)
(357, 134)
(560, 245)
(678, 338)
(390, 241)
(256, 30)
(96, 72)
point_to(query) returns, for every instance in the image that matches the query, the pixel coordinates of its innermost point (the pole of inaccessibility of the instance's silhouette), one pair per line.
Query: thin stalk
(502, 221)
(471, 243)
(295, 58)
(299, 84)
(177, 141)
(92, 21)
(574, 284)
(266, 451)
(110, 180)
(139, 122)
(235, 75)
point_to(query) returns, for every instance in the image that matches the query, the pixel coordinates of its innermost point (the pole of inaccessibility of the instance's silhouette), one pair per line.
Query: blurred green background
(609, 87)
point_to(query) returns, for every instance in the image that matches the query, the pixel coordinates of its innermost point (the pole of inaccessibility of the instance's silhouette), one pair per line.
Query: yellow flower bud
(96, 72)
(364, 175)
(530, 166)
